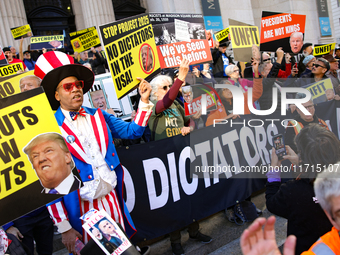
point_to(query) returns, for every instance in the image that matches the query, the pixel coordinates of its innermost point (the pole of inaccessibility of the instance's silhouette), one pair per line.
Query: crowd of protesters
(309, 143)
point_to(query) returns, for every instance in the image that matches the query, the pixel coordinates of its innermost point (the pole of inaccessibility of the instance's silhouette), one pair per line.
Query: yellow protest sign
(84, 39)
(21, 121)
(23, 31)
(323, 49)
(24, 116)
(47, 42)
(131, 52)
(11, 69)
(319, 90)
(222, 35)
(11, 85)
(244, 36)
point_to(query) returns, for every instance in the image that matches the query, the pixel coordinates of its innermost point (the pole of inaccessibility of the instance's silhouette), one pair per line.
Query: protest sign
(103, 95)
(131, 52)
(24, 116)
(84, 39)
(11, 69)
(11, 85)
(222, 36)
(277, 28)
(3, 59)
(180, 35)
(23, 31)
(320, 90)
(243, 37)
(47, 42)
(107, 234)
(193, 98)
(323, 49)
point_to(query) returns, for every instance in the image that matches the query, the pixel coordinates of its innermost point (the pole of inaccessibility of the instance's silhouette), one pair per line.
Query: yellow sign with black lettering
(23, 117)
(323, 49)
(321, 91)
(11, 85)
(244, 36)
(222, 35)
(85, 39)
(21, 121)
(131, 52)
(11, 69)
(40, 39)
(23, 31)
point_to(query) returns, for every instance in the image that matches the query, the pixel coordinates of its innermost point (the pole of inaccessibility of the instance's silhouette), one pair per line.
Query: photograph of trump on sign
(53, 163)
(284, 30)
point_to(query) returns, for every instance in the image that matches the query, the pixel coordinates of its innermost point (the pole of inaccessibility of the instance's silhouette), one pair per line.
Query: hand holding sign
(183, 69)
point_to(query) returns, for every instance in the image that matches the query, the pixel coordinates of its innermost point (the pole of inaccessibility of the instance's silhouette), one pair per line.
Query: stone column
(240, 10)
(97, 13)
(12, 14)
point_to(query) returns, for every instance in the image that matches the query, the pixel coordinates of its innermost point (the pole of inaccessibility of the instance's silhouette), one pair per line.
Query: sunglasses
(317, 65)
(166, 87)
(69, 86)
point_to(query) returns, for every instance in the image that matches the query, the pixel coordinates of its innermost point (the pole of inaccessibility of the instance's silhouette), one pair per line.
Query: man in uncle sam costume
(88, 133)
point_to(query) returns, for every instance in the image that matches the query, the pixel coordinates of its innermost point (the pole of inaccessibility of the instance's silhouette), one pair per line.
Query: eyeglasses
(236, 70)
(69, 86)
(166, 87)
(317, 65)
(309, 107)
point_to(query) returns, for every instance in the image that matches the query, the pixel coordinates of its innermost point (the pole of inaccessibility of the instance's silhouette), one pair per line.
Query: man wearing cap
(28, 60)
(88, 133)
(221, 60)
(11, 59)
(308, 63)
(332, 72)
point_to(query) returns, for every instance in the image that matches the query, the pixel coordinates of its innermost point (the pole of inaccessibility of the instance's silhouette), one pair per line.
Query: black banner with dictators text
(169, 183)
(23, 117)
(131, 52)
(178, 36)
(164, 195)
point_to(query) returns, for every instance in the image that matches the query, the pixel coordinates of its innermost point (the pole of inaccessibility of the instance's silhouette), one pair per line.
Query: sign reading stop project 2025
(131, 52)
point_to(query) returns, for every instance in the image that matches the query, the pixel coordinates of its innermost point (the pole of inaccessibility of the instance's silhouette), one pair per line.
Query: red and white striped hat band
(49, 61)
(54, 66)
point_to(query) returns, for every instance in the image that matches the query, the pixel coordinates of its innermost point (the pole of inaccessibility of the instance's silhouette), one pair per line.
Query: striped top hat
(54, 66)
